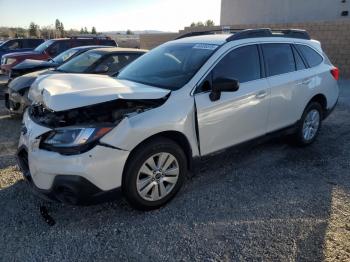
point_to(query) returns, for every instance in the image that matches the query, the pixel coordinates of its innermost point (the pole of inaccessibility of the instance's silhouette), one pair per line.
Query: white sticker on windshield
(205, 46)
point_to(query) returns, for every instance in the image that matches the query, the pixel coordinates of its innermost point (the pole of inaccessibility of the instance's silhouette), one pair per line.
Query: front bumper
(73, 179)
(74, 190)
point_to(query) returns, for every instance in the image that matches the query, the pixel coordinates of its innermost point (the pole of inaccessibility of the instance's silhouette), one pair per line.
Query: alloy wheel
(311, 124)
(157, 176)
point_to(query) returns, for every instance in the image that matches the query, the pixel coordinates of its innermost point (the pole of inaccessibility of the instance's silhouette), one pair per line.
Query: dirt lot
(272, 202)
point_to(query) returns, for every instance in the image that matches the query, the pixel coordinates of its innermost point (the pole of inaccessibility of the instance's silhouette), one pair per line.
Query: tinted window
(59, 47)
(116, 62)
(241, 64)
(32, 43)
(83, 42)
(80, 63)
(43, 47)
(298, 60)
(279, 58)
(311, 56)
(12, 45)
(64, 56)
(169, 66)
(107, 42)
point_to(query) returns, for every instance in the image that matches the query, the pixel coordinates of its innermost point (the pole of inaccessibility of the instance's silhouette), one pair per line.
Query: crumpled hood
(27, 80)
(31, 63)
(61, 92)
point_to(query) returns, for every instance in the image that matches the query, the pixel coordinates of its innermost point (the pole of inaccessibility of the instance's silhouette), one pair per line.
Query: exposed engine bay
(110, 112)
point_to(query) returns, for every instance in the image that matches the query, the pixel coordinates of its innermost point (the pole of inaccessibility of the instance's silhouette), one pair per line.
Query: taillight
(335, 73)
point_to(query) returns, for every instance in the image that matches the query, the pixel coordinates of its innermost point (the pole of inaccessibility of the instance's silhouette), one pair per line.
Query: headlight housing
(74, 140)
(10, 61)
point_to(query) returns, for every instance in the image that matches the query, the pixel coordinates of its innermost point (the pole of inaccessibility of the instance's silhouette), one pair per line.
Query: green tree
(82, 31)
(199, 24)
(193, 24)
(85, 30)
(93, 31)
(61, 29)
(33, 29)
(209, 23)
(129, 32)
(57, 24)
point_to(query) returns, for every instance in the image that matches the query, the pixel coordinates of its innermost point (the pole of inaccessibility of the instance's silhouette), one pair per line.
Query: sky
(110, 15)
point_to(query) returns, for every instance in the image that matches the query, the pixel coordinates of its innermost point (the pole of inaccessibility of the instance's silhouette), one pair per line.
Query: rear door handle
(261, 95)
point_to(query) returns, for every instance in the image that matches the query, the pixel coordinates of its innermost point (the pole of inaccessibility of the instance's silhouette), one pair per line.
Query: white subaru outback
(87, 137)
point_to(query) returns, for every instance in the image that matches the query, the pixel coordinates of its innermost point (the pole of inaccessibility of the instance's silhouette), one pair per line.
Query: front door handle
(261, 95)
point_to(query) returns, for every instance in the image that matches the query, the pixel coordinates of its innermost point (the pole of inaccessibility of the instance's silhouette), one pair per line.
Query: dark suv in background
(52, 48)
(19, 45)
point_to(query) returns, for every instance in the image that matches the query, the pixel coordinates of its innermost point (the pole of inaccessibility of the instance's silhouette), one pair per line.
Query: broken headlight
(73, 140)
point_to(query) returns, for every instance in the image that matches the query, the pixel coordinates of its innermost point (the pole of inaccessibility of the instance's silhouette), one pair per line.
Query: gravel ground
(272, 202)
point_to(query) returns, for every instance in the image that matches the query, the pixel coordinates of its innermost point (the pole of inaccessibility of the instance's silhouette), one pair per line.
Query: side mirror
(101, 69)
(223, 85)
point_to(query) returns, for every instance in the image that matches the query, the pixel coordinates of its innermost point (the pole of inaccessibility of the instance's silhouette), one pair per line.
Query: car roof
(215, 39)
(119, 49)
(88, 47)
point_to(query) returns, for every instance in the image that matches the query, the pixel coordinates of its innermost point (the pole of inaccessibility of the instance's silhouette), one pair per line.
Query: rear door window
(279, 59)
(311, 56)
(242, 64)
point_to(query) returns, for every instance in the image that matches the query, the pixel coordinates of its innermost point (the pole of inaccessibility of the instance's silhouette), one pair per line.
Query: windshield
(168, 66)
(61, 58)
(41, 48)
(81, 63)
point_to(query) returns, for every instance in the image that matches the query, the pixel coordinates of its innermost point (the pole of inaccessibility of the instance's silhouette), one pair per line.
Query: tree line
(206, 23)
(56, 30)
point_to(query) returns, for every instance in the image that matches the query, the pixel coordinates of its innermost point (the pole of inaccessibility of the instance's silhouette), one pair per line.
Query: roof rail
(267, 32)
(238, 34)
(89, 36)
(210, 32)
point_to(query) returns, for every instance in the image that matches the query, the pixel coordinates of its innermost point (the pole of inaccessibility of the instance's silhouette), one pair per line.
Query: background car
(19, 45)
(52, 48)
(31, 65)
(107, 61)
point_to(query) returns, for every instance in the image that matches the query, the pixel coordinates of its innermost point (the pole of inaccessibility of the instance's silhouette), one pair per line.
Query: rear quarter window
(312, 57)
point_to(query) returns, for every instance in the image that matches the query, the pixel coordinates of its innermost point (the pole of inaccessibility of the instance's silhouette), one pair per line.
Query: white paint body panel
(235, 118)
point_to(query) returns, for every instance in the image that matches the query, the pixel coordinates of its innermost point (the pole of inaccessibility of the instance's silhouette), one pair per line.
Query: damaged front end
(76, 131)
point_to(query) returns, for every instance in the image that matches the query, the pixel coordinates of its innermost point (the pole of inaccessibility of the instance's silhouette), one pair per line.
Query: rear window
(279, 58)
(311, 56)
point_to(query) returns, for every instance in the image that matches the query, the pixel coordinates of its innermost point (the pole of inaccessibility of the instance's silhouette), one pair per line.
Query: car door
(237, 116)
(286, 79)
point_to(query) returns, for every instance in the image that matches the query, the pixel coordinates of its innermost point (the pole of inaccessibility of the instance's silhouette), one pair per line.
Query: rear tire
(309, 125)
(154, 174)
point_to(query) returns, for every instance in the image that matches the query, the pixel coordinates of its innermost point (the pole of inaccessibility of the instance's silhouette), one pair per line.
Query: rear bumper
(69, 189)
(330, 110)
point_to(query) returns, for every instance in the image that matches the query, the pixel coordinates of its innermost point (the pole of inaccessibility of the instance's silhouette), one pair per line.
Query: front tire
(154, 174)
(309, 125)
